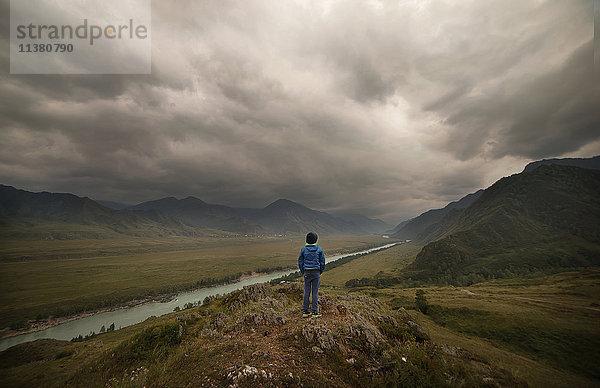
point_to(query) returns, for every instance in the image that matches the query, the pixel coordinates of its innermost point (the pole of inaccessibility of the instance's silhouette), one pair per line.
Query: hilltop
(589, 163)
(255, 337)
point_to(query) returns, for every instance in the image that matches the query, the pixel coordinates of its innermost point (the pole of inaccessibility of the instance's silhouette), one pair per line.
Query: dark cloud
(379, 107)
(541, 115)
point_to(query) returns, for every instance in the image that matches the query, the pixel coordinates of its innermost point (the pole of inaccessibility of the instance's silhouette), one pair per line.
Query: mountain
(112, 204)
(397, 228)
(201, 214)
(284, 215)
(590, 163)
(370, 225)
(281, 216)
(411, 229)
(540, 220)
(61, 215)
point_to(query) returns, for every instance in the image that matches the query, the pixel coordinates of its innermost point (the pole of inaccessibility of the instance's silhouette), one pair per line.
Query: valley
(499, 288)
(42, 279)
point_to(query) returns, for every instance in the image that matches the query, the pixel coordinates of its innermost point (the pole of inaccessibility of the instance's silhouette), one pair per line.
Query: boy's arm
(301, 261)
(322, 260)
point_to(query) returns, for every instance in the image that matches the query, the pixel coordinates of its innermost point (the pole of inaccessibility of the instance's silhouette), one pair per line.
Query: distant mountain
(370, 225)
(411, 229)
(591, 163)
(112, 205)
(281, 216)
(58, 215)
(397, 228)
(201, 214)
(285, 216)
(66, 216)
(539, 220)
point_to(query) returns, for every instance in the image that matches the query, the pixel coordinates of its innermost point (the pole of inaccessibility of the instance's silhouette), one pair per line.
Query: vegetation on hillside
(538, 221)
(255, 337)
(548, 321)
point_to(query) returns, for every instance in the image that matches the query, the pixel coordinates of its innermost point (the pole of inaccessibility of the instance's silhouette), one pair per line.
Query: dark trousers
(312, 278)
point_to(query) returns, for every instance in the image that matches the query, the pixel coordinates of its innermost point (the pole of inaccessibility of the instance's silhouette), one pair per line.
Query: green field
(63, 277)
(388, 260)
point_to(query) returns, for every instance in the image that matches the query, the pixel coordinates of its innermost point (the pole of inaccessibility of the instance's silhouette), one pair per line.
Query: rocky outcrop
(257, 337)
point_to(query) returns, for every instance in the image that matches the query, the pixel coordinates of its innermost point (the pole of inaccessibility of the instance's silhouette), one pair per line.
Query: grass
(535, 373)
(367, 266)
(550, 321)
(541, 328)
(54, 278)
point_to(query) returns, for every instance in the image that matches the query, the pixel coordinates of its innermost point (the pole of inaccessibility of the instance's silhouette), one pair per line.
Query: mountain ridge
(548, 217)
(164, 216)
(412, 228)
(589, 163)
(20, 208)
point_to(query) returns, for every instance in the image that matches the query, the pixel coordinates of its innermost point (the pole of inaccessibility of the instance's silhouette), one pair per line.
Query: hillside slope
(413, 228)
(539, 220)
(255, 337)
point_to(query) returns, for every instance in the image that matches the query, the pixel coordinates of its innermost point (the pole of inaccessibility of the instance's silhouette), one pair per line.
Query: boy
(311, 263)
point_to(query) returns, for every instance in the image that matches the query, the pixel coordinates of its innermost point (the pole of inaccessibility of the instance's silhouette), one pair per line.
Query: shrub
(421, 301)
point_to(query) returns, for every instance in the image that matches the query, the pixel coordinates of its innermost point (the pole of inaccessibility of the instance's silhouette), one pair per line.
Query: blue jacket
(311, 257)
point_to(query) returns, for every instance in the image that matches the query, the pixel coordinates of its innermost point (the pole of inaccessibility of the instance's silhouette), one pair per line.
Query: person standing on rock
(312, 264)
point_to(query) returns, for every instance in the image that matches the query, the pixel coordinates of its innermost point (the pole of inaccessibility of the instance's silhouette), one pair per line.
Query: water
(130, 316)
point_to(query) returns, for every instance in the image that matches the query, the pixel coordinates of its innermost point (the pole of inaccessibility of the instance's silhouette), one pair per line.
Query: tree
(421, 301)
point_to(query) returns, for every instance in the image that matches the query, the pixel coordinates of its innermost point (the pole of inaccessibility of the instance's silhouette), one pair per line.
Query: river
(130, 316)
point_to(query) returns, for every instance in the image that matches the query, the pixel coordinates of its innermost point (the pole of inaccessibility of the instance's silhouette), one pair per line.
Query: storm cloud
(378, 107)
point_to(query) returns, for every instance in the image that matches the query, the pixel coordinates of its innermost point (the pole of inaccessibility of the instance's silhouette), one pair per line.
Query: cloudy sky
(386, 108)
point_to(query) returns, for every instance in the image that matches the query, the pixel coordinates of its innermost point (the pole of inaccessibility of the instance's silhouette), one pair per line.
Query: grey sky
(384, 108)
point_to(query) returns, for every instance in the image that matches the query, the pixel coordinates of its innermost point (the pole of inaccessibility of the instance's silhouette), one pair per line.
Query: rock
(365, 331)
(387, 320)
(249, 371)
(322, 336)
(404, 314)
(267, 317)
(325, 303)
(216, 325)
(252, 293)
(416, 330)
(220, 321)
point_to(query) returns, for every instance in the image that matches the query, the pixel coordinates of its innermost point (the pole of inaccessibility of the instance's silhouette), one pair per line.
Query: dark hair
(311, 238)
